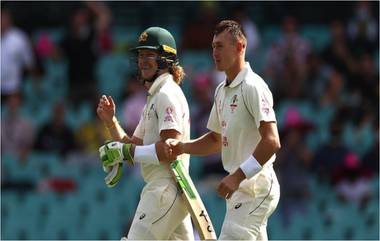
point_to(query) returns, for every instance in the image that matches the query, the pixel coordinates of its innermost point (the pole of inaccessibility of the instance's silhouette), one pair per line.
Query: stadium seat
(275, 228)
(216, 208)
(196, 61)
(22, 219)
(124, 37)
(44, 163)
(317, 35)
(112, 72)
(196, 167)
(270, 35)
(56, 34)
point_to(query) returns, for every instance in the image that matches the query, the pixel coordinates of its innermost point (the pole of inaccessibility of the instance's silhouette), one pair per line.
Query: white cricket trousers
(161, 214)
(250, 206)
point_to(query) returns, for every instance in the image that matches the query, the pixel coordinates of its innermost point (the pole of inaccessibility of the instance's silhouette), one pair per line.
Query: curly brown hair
(178, 73)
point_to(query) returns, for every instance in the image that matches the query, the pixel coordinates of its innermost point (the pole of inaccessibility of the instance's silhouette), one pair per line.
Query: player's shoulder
(253, 80)
(253, 84)
(169, 90)
(170, 87)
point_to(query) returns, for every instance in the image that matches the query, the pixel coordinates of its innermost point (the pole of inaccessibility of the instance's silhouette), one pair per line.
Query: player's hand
(106, 110)
(164, 152)
(176, 146)
(112, 157)
(114, 175)
(230, 184)
(113, 153)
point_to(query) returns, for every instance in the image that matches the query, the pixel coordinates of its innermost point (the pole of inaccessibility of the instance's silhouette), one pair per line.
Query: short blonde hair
(233, 27)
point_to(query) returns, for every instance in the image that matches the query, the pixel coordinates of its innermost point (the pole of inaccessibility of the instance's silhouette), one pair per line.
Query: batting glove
(113, 153)
(114, 175)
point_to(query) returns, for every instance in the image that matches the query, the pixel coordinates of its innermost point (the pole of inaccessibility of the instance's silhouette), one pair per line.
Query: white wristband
(146, 154)
(250, 167)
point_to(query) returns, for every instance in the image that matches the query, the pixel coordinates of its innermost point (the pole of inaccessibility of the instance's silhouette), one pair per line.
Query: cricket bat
(193, 201)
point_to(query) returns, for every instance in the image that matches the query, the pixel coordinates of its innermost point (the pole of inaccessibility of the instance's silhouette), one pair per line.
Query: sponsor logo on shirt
(224, 132)
(237, 205)
(265, 105)
(220, 107)
(151, 111)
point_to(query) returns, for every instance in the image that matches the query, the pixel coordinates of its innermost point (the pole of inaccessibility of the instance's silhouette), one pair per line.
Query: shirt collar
(240, 77)
(160, 81)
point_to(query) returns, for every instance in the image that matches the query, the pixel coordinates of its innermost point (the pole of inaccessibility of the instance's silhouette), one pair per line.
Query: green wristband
(127, 153)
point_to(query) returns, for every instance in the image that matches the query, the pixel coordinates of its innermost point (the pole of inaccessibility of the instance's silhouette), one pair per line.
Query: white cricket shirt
(236, 114)
(166, 109)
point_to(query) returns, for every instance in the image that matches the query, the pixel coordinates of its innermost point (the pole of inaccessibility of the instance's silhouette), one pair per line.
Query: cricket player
(161, 213)
(243, 127)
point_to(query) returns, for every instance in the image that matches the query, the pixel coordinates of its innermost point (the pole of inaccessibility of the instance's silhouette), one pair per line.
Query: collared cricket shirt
(166, 109)
(236, 114)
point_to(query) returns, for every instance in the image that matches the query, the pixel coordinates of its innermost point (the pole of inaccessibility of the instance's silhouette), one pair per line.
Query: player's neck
(232, 72)
(148, 84)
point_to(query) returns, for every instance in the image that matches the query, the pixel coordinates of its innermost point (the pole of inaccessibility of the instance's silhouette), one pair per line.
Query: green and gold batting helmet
(159, 39)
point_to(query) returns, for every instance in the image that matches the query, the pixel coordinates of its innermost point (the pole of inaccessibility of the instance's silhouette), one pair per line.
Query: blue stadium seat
(56, 34)
(122, 35)
(76, 117)
(44, 163)
(102, 221)
(62, 222)
(196, 167)
(22, 219)
(318, 35)
(270, 35)
(216, 208)
(275, 228)
(196, 61)
(57, 78)
(112, 74)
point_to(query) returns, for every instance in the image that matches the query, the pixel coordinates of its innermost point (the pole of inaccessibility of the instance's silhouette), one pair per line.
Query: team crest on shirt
(233, 104)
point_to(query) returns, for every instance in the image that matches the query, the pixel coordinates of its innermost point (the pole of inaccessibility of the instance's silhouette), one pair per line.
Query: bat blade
(193, 202)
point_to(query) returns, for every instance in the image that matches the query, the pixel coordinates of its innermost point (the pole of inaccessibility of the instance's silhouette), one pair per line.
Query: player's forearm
(116, 131)
(266, 148)
(254, 163)
(207, 144)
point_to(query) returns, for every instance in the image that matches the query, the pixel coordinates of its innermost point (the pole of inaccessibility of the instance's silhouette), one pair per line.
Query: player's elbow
(274, 143)
(277, 145)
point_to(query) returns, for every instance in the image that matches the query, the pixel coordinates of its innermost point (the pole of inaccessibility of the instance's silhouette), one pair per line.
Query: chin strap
(161, 64)
(151, 79)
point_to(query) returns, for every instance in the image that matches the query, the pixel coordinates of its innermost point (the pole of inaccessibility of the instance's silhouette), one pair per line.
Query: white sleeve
(259, 101)
(213, 123)
(170, 113)
(140, 130)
